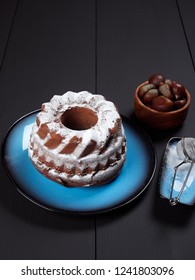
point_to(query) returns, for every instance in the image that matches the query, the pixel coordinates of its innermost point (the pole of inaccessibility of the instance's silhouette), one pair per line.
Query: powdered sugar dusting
(175, 156)
(108, 118)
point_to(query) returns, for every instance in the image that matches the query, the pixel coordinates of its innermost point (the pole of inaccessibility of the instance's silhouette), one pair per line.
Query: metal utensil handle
(173, 181)
(175, 200)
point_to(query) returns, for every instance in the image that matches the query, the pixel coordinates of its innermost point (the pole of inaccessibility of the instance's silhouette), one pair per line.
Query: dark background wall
(105, 47)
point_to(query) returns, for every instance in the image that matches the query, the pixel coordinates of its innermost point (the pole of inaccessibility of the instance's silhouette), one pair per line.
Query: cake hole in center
(79, 118)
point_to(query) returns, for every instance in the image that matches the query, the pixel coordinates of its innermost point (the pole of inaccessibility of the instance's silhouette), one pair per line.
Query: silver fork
(188, 149)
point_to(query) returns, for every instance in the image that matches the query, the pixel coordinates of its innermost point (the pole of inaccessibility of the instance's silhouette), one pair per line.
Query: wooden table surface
(108, 47)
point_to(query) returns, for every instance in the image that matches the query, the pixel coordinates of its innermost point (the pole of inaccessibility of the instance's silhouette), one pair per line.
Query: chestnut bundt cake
(78, 140)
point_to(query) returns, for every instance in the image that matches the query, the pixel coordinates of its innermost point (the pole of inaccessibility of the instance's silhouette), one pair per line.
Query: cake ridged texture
(78, 157)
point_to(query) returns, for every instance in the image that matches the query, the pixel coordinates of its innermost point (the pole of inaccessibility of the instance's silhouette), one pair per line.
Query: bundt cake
(78, 140)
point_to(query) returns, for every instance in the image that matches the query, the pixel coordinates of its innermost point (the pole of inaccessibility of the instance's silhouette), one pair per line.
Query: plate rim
(135, 126)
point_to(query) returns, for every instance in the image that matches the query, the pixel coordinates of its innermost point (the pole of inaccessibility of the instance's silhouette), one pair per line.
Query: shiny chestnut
(164, 119)
(162, 104)
(156, 79)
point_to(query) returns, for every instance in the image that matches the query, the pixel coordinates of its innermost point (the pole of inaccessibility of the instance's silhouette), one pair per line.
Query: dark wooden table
(48, 47)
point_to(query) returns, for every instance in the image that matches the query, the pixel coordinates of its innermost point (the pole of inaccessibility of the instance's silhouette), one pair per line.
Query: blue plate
(134, 177)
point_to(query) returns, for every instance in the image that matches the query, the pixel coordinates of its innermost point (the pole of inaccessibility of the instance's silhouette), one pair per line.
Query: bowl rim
(186, 106)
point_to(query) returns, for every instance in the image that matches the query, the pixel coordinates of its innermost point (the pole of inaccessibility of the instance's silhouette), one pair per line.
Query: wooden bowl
(160, 120)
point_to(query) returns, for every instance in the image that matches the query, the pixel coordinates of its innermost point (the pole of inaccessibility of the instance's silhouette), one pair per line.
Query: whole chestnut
(145, 88)
(162, 104)
(178, 90)
(156, 79)
(149, 95)
(180, 103)
(165, 90)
